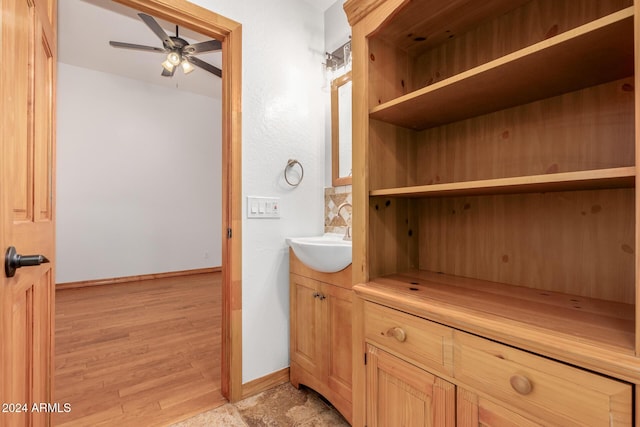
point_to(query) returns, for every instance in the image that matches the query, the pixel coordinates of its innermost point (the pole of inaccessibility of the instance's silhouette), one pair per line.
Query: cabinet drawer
(554, 392)
(419, 341)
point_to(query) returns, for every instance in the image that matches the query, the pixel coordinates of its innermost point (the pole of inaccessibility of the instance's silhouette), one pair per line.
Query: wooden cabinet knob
(521, 384)
(397, 333)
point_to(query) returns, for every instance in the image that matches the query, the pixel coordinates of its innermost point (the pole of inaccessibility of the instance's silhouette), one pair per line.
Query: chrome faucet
(347, 234)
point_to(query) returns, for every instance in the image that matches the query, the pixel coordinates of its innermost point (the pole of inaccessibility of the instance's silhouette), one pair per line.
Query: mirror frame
(335, 132)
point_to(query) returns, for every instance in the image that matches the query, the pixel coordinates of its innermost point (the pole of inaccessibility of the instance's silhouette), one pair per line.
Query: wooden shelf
(422, 25)
(566, 181)
(559, 325)
(604, 47)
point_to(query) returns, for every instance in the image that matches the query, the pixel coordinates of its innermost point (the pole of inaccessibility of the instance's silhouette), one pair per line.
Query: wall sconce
(338, 62)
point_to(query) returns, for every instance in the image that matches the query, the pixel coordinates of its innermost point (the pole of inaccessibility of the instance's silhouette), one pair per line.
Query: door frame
(229, 32)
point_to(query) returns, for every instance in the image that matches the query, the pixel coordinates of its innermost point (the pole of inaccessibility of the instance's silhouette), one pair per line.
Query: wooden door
(27, 92)
(401, 394)
(306, 332)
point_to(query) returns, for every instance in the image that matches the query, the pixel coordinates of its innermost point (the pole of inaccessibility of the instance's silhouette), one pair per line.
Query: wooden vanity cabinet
(494, 194)
(320, 333)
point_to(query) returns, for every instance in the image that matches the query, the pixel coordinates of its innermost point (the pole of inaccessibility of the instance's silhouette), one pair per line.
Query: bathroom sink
(327, 253)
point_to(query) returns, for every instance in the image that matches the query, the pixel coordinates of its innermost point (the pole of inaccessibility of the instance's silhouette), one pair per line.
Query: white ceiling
(85, 28)
(322, 5)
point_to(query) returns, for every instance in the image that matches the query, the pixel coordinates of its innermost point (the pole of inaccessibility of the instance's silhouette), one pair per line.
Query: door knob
(13, 261)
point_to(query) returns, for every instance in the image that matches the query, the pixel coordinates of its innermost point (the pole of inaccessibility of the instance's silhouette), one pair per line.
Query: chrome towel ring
(291, 163)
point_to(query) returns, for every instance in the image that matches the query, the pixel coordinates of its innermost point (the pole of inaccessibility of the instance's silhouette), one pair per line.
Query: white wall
(282, 117)
(138, 177)
(336, 27)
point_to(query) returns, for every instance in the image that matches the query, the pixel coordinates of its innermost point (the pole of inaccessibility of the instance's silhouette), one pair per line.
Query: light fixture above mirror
(338, 62)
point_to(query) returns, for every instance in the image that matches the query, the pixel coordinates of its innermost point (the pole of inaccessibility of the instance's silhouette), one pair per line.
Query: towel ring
(291, 163)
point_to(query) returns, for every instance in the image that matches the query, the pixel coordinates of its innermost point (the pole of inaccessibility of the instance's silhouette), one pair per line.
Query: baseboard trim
(117, 280)
(265, 383)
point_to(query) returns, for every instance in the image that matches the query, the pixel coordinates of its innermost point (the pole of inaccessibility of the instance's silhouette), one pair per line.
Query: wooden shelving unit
(567, 181)
(576, 321)
(523, 76)
(495, 185)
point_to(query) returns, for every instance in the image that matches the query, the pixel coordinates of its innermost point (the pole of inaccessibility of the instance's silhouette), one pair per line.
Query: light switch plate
(263, 207)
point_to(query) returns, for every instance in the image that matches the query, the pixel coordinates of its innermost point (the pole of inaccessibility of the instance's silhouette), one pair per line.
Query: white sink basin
(327, 253)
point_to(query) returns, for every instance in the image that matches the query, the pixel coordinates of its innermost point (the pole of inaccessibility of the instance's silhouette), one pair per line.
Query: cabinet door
(401, 394)
(339, 339)
(306, 324)
(477, 411)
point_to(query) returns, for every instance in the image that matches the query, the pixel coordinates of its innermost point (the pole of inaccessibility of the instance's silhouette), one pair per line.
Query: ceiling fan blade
(204, 65)
(166, 73)
(157, 29)
(137, 47)
(207, 46)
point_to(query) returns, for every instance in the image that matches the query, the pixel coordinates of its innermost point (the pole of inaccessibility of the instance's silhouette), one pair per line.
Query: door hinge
(365, 358)
(228, 232)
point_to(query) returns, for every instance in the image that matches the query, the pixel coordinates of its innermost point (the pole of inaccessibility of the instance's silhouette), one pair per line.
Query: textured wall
(282, 117)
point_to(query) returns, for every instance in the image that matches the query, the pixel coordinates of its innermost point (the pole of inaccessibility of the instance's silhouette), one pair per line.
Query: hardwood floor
(142, 353)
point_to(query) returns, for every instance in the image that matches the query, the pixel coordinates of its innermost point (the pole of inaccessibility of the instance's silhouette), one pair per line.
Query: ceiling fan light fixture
(174, 58)
(178, 51)
(168, 65)
(187, 67)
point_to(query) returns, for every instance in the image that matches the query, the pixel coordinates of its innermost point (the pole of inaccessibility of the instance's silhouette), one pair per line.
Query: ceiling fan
(179, 51)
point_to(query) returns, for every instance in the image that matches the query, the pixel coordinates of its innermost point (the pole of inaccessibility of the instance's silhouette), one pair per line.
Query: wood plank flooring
(141, 354)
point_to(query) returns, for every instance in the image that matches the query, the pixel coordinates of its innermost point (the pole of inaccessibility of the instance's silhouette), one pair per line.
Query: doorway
(187, 15)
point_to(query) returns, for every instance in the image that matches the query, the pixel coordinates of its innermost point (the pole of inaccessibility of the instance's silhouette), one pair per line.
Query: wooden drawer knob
(397, 333)
(521, 384)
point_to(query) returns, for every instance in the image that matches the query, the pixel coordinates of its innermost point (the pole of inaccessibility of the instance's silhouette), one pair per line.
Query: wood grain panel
(392, 156)
(399, 393)
(16, 102)
(339, 369)
(425, 344)
(306, 313)
(558, 394)
(43, 132)
(535, 21)
(388, 72)
(588, 129)
(419, 26)
(43, 342)
(579, 242)
(478, 411)
(637, 205)
(393, 227)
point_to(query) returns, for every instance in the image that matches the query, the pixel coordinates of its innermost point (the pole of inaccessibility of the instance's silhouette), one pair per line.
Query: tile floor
(278, 407)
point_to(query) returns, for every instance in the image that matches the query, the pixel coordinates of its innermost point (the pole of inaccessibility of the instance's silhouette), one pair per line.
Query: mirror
(341, 130)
